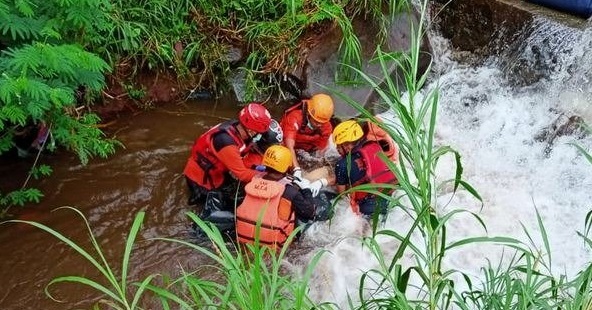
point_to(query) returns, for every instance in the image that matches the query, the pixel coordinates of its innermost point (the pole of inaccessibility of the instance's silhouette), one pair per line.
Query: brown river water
(145, 175)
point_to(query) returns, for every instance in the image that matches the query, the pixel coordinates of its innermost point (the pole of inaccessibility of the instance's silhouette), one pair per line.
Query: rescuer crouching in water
(274, 201)
(361, 163)
(359, 144)
(215, 167)
(307, 128)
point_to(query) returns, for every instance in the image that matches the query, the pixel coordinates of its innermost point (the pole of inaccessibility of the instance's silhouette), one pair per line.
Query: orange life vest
(263, 202)
(375, 133)
(377, 171)
(203, 160)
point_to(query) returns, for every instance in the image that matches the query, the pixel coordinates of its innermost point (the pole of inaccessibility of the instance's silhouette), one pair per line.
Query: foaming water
(514, 139)
(515, 152)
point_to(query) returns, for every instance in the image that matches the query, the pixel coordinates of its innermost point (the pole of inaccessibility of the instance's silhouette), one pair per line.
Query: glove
(315, 187)
(297, 173)
(302, 183)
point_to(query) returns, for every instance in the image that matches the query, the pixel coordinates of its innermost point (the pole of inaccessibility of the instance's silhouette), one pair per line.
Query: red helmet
(255, 117)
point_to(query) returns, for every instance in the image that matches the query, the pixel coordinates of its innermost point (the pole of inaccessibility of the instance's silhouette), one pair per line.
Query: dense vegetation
(251, 278)
(55, 56)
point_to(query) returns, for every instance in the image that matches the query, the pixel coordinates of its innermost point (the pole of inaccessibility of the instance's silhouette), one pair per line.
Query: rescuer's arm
(231, 158)
(290, 125)
(290, 142)
(229, 154)
(323, 143)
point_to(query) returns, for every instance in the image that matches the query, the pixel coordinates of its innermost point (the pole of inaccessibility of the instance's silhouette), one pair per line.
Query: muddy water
(145, 175)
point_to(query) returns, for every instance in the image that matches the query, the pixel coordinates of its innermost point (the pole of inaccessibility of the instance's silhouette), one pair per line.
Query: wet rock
(491, 26)
(507, 28)
(473, 100)
(292, 85)
(202, 94)
(562, 126)
(234, 55)
(537, 53)
(322, 60)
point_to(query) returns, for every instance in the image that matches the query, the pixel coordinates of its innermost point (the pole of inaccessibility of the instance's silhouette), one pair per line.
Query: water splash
(494, 122)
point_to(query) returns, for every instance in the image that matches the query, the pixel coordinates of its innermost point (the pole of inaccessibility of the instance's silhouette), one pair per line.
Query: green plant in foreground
(580, 148)
(116, 291)
(250, 278)
(416, 195)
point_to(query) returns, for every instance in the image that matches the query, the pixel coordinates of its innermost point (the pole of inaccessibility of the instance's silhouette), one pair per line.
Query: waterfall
(513, 118)
(514, 133)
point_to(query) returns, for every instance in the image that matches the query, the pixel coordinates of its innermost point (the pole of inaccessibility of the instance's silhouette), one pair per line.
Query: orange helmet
(320, 108)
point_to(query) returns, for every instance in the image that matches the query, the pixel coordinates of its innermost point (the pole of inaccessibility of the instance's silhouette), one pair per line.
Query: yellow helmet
(348, 131)
(278, 158)
(320, 108)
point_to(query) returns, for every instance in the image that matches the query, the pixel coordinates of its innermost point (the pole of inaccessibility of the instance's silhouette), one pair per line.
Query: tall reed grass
(118, 292)
(250, 277)
(524, 281)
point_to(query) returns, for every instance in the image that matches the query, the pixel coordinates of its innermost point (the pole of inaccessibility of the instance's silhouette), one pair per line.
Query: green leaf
(501, 240)
(128, 247)
(84, 281)
(583, 151)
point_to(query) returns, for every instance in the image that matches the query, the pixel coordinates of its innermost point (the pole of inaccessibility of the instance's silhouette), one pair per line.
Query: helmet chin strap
(307, 117)
(244, 131)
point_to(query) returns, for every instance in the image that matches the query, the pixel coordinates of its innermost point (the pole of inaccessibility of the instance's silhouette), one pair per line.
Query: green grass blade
(168, 296)
(584, 152)
(109, 275)
(544, 235)
(68, 242)
(87, 282)
(141, 289)
(501, 240)
(131, 238)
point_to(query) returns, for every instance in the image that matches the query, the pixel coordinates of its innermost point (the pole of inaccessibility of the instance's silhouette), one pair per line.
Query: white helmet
(274, 135)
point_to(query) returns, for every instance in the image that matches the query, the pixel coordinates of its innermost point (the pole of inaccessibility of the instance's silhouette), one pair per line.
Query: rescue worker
(307, 126)
(371, 132)
(360, 163)
(216, 164)
(274, 201)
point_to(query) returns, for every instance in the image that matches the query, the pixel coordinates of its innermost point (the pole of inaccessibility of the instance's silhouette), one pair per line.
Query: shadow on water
(145, 175)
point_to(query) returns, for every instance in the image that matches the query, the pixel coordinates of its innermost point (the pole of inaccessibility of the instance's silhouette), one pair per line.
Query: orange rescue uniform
(294, 124)
(208, 166)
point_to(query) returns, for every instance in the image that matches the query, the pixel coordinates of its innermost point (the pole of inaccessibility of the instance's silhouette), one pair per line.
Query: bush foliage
(44, 65)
